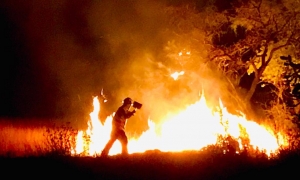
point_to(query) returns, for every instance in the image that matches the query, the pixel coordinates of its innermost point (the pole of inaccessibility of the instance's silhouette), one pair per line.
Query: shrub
(60, 140)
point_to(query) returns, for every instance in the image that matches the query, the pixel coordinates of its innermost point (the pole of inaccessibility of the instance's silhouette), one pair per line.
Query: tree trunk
(249, 95)
(252, 89)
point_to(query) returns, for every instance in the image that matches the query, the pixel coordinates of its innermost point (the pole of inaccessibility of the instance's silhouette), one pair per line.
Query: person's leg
(124, 141)
(108, 145)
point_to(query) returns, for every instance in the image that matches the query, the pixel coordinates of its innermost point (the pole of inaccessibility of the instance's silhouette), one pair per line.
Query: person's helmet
(127, 100)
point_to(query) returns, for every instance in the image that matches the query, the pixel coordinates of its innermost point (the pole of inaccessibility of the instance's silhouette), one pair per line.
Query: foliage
(60, 140)
(271, 30)
(246, 37)
(230, 145)
(282, 119)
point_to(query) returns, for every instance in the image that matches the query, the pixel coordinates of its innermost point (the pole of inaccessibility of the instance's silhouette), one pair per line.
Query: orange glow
(177, 74)
(186, 53)
(191, 129)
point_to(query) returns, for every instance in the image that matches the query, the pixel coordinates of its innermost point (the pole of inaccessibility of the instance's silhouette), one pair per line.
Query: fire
(177, 74)
(191, 129)
(181, 53)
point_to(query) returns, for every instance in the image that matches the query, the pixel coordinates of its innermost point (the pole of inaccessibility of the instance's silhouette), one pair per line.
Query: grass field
(19, 138)
(33, 150)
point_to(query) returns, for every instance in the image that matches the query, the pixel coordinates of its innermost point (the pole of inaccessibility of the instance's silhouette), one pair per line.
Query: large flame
(191, 129)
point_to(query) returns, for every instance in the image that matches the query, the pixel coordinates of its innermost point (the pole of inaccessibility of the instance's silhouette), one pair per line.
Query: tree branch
(277, 48)
(254, 66)
(221, 56)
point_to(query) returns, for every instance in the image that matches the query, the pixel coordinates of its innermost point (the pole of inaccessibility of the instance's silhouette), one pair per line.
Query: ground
(151, 165)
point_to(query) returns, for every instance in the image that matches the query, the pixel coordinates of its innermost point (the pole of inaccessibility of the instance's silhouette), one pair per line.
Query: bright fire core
(191, 129)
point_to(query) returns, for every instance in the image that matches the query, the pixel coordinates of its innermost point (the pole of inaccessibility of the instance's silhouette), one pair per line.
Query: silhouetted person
(118, 127)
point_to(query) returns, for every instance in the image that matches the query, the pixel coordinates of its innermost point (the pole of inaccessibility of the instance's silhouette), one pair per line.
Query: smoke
(125, 47)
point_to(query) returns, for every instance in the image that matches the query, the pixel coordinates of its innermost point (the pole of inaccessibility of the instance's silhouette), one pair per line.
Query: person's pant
(116, 135)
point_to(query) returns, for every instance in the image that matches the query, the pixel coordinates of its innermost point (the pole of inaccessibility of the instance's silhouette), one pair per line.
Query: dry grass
(35, 137)
(19, 138)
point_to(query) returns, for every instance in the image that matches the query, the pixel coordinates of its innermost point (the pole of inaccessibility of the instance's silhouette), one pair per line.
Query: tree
(190, 30)
(249, 38)
(264, 30)
(244, 39)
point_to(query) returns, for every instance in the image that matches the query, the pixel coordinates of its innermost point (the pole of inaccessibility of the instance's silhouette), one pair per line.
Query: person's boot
(124, 151)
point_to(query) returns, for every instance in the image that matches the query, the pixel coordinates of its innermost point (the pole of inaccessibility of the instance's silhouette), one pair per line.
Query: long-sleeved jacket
(120, 117)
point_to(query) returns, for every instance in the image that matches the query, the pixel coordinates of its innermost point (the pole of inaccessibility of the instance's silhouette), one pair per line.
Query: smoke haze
(62, 53)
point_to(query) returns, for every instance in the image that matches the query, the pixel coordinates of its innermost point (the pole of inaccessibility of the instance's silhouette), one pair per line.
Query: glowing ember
(177, 74)
(181, 53)
(191, 129)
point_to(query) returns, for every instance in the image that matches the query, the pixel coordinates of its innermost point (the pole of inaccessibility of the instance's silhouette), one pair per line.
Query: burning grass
(49, 146)
(193, 129)
(233, 154)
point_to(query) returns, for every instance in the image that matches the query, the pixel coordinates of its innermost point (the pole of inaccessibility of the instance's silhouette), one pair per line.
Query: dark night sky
(29, 87)
(56, 55)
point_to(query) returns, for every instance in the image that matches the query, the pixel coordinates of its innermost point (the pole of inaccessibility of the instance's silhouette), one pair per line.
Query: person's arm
(130, 113)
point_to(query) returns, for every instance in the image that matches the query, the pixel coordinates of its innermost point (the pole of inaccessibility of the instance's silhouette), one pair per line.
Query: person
(118, 127)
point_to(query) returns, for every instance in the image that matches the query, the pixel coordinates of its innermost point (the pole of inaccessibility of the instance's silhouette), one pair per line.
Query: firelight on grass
(193, 128)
